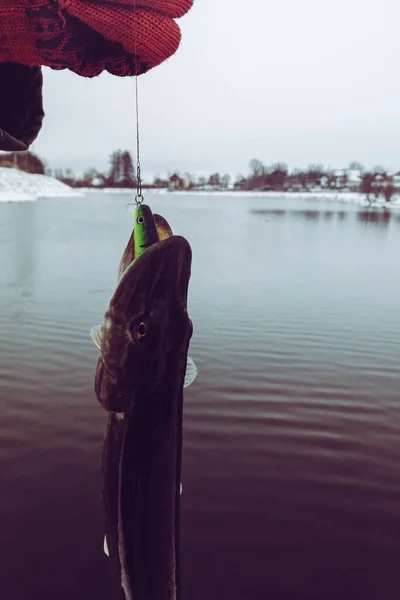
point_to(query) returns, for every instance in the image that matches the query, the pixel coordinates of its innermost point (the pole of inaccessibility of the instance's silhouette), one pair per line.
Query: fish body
(139, 379)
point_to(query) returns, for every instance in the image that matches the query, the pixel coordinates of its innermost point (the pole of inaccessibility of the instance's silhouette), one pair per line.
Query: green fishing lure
(148, 229)
(145, 229)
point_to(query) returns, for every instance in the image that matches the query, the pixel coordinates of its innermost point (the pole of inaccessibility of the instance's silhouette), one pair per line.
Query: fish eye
(142, 330)
(140, 220)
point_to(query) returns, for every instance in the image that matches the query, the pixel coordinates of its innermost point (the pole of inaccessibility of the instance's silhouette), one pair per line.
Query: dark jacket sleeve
(21, 106)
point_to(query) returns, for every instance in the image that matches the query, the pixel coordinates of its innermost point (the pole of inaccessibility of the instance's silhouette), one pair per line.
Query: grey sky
(298, 82)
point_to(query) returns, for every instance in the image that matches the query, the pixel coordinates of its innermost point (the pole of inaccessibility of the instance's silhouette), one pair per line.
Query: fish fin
(163, 228)
(97, 333)
(191, 373)
(105, 546)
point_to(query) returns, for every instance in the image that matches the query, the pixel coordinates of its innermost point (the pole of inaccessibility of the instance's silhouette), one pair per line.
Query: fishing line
(139, 195)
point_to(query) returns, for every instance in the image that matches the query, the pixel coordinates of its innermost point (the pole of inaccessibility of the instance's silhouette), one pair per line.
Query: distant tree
(258, 175)
(256, 168)
(225, 181)
(25, 161)
(88, 177)
(276, 179)
(122, 172)
(116, 172)
(298, 178)
(69, 177)
(316, 168)
(356, 166)
(190, 180)
(379, 170)
(66, 176)
(314, 174)
(202, 181)
(159, 182)
(278, 166)
(241, 183)
(128, 172)
(366, 184)
(176, 182)
(388, 191)
(214, 180)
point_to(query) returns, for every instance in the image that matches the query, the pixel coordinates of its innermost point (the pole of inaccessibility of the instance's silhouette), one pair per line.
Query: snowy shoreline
(332, 196)
(18, 186)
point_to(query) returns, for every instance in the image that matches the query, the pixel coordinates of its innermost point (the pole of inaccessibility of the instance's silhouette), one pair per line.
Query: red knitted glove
(90, 36)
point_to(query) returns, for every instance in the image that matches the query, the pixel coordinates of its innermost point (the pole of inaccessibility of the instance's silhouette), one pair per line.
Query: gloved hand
(90, 36)
(21, 109)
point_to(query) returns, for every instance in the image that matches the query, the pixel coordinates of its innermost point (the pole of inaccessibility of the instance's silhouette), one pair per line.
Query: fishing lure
(145, 230)
(148, 229)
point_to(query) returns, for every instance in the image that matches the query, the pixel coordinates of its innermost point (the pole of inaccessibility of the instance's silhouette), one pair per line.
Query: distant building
(176, 182)
(97, 181)
(396, 179)
(347, 178)
(340, 178)
(380, 178)
(354, 178)
(242, 184)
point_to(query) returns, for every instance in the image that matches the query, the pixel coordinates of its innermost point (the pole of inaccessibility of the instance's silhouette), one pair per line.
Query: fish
(144, 233)
(140, 376)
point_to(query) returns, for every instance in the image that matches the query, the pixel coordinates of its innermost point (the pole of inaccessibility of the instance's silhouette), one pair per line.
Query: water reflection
(309, 215)
(379, 218)
(18, 269)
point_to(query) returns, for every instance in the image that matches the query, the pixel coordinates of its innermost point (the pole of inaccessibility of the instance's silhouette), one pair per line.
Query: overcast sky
(298, 82)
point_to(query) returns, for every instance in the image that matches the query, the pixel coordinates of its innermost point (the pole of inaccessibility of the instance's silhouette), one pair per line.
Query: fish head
(146, 329)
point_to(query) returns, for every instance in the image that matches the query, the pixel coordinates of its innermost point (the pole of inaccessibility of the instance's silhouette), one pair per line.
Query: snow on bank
(18, 186)
(106, 190)
(330, 196)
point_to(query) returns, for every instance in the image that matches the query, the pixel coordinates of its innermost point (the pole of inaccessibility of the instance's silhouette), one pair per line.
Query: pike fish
(139, 380)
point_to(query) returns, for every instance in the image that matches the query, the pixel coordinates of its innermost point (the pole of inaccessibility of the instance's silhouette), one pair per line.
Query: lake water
(292, 430)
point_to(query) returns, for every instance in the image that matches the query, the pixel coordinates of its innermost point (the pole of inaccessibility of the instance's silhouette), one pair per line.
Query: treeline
(24, 161)
(355, 177)
(261, 177)
(121, 174)
(275, 177)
